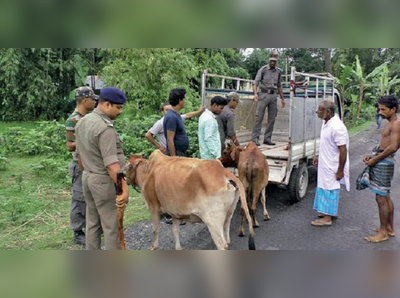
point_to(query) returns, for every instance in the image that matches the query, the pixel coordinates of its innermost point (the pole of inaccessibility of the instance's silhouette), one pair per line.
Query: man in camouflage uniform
(268, 80)
(100, 153)
(85, 102)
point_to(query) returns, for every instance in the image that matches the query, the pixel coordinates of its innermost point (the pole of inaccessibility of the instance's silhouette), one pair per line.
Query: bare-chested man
(381, 168)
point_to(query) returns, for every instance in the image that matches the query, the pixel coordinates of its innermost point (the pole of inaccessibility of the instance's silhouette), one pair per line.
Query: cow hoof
(153, 248)
(267, 218)
(241, 235)
(178, 248)
(256, 226)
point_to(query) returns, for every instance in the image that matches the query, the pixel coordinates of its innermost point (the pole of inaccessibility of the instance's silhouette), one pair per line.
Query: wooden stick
(120, 211)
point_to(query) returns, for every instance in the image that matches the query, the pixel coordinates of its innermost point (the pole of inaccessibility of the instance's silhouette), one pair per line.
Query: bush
(133, 131)
(3, 162)
(48, 139)
(54, 169)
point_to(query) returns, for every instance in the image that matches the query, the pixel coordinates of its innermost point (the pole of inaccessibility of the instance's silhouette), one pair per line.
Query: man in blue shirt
(174, 129)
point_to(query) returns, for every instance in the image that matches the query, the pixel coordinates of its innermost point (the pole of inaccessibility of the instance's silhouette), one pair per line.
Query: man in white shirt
(333, 164)
(158, 129)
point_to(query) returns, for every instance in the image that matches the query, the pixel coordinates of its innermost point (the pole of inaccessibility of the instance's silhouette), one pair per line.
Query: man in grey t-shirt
(226, 120)
(158, 129)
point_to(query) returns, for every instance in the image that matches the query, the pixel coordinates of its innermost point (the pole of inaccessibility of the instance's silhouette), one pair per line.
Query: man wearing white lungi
(333, 164)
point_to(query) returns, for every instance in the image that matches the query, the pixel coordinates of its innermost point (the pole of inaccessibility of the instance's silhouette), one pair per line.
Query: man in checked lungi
(333, 164)
(379, 173)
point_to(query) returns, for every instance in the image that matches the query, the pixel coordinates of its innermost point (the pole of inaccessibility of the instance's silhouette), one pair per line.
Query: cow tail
(252, 245)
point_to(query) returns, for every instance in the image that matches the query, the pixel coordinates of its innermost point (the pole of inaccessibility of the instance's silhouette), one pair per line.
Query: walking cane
(120, 211)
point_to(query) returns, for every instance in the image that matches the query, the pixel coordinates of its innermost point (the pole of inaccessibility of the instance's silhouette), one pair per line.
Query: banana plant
(364, 82)
(384, 84)
(344, 83)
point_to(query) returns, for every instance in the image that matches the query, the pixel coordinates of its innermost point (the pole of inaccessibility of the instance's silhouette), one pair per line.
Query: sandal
(318, 223)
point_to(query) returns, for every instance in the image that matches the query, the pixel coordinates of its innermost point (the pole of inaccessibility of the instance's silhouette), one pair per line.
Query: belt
(90, 172)
(268, 90)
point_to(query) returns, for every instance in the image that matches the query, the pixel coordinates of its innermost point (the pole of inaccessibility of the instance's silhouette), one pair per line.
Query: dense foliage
(36, 83)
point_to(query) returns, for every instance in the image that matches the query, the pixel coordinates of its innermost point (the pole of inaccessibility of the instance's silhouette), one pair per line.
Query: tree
(369, 58)
(383, 84)
(305, 59)
(344, 83)
(327, 60)
(148, 75)
(35, 82)
(257, 59)
(364, 82)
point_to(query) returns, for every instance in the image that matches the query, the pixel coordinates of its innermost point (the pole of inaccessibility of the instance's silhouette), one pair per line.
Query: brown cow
(191, 189)
(253, 172)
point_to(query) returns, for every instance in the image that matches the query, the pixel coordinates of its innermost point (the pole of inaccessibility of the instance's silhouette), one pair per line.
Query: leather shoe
(257, 142)
(269, 143)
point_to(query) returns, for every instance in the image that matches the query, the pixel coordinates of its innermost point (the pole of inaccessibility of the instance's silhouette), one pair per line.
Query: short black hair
(102, 100)
(163, 105)
(176, 95)
(390, 101)
(219, 101)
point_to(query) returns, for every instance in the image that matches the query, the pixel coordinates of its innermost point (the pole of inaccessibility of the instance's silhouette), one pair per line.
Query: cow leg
(264, 203)
(155, 218)
(254, 208)
(241, 229)
(176, 226)
(216, 228)
(227, 225)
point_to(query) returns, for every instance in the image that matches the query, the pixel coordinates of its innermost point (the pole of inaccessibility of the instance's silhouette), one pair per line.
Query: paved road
(289, 227)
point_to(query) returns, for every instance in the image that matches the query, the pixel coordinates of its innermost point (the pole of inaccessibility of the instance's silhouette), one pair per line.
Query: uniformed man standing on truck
(100, 154)
(85, 102)
(268, 80)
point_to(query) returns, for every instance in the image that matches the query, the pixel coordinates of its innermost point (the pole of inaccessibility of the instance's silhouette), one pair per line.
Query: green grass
(353, 130)
(4, 126)
(34, 208)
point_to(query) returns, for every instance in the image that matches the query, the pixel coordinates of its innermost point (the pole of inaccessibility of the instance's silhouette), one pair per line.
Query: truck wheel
(298, 184)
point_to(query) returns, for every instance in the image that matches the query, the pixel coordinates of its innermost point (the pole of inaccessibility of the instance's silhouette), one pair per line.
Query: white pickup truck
(297, 127)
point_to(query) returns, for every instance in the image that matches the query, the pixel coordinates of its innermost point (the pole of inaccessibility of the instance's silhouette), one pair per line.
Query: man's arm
(392, 148)
(124, 198)
(257, 81)
(155, 130)
(231, 130)
(80, 163)
(170, 142)
(280, 90)
(195, 113)
(71, 146)
(108, 148)
(153, 141)
(255, 87)
(209, 132)
(342, 161)
(70, 135)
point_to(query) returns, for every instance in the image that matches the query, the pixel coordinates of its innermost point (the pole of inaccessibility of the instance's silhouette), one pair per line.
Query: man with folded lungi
(380, 168)
(333, 164)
